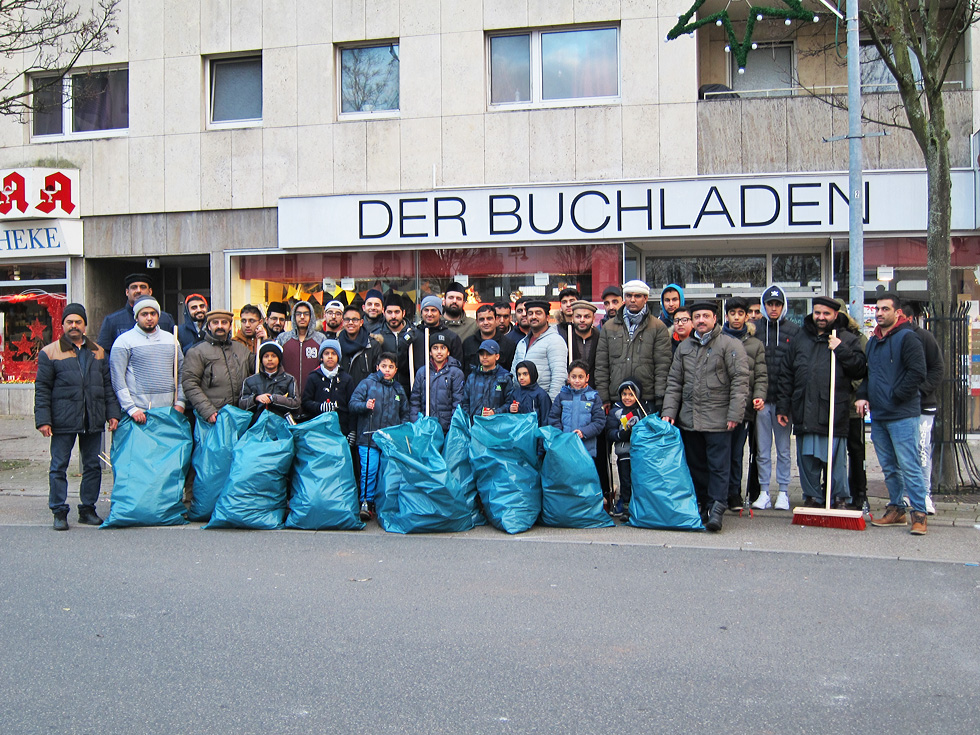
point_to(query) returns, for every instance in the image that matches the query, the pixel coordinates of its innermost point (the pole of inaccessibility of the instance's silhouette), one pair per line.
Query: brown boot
(894, 516)
(918, 523)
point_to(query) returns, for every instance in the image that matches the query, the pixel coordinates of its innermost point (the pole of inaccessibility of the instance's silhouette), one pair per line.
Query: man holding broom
(805, 394)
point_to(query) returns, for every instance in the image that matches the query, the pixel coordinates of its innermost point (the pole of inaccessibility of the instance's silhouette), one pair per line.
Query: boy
(578, 408)
(379, 401)
(445, 384)
(271, 387)
(490, 389)
(623, 416)
(529, 397)
(329, 388)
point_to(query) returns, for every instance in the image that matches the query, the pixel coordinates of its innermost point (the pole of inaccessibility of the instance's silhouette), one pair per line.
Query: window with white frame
(551, 66)
(236, 90)
(769, 71)
(369, 79)
(83, 103)
(875, 76)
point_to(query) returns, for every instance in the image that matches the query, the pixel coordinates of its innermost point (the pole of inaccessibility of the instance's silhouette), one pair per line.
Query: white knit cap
(146, 302)
(636, 286)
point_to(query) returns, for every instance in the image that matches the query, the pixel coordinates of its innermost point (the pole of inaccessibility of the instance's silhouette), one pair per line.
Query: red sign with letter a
(34, 193)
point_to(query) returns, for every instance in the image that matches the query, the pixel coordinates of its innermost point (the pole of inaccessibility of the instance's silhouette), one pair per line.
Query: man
(397, 337)
(671, 298)
(192, 330)
(455, 318)
(755, 308)
(775, 331)
(585, 337)
(486, 322)
(252, 332)
(707, 391)
(635, 345)
(432, 322)
(275, 319)
(73, 397)
(374, 317)
(857, 475)
(738, 327)
(804, 395)
(333, 319)
(214, 370)
(896, 370)
(137, 284)
(360, 350)
(544, 347)
(612, 300)
(752, 481)
(301, 344)
(935, 367)
(504, 325)
(520, 328)
(566, 297)
(683, 326)
(142, 365)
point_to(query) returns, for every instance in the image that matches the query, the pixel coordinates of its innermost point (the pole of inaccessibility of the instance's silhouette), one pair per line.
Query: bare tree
(47, 37)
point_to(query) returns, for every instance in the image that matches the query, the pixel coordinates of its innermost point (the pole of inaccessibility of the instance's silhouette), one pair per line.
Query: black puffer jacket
(281, 386)
(69, 399)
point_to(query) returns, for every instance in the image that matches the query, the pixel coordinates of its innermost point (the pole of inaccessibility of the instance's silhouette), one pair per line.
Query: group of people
(725, 380)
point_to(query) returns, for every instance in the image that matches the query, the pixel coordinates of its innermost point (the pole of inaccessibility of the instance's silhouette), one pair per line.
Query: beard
(453, 312)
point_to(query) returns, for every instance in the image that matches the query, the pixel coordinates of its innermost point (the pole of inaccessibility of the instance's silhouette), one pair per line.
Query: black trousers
(602, 464)
(709, 458)
(625, 479)
(857, 476)
(752, 488)
(739, 433)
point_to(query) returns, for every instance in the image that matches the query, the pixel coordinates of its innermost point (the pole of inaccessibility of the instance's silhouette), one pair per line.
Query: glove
(352, 438)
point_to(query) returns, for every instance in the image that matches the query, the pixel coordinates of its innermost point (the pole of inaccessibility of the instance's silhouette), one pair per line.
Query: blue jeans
(88, 448)
(897, 446)
(370, 463)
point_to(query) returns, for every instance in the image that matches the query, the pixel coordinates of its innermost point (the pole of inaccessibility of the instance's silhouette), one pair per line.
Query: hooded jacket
(301, 357)
(188, 333)
(579, 408)
(360, 355)
(390, 407)
(804, 393)
(323, 393)
(935, 367)
(645, 358)
(896, 370)
(755, 351)
(446, 386)
(73, 391)
(494, 389)
(532, 398)
(214, 373)
(776, 336)
(666, 318)
(708, 384)
(549, 354)
(621, 420)
(142, 369)
(280, 385)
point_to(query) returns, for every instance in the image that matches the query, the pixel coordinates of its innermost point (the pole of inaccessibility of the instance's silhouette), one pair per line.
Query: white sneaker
(762, 502)
(930, 506)
(782, 501)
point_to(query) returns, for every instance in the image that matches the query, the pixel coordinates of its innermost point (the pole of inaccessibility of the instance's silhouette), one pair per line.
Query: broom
(851, 520)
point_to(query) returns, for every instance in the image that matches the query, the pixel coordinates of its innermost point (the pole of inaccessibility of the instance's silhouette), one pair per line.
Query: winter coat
(122, 321)
(464, 327)
(214, 373)
(187, 333)
(471, 352)
(579, 409)
(896, 369)
(400, 345)
(360, 358)
(533, 399)
(390, 408)
(644, 359)
(549, 355)
(419, 355)
(805, 391)
(142, 369)
(708, 384)
(300, 357)
(446, 386)
(755, 351)
(666, 318)
(251, 343)
(935, 367)
(73, 393)
(621, 420)
(488, 390)
(322, 394)
(775, 335)
(280, 385)
(373, 326)
(583, 349)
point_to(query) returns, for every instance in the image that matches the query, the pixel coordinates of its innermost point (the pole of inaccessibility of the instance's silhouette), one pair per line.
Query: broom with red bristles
(851, 520)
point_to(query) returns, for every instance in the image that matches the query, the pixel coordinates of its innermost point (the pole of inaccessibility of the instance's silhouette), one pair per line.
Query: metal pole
(855, 166)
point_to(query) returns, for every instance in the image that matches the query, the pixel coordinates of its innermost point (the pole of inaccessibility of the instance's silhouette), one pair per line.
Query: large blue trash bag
(323, 493)
(213, 445)
(663, 493)
(254, 495)
(504, 453)
(390, 478)
(429, 498)
(571, 493)
(149, 467)
(456, 452)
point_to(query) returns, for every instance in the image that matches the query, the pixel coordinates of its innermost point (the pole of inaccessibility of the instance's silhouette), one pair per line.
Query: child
(623, 416)
(490, 389)
(271, 387)
(578, 408)
(529, 397)
(379, 402)
(329, 388)
(445, 384)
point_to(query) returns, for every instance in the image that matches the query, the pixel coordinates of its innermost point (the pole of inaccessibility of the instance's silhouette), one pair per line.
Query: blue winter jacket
(533, 399)
(896, 369)
(579, 409)
(488, 390)
(390, 407)
(446, 386)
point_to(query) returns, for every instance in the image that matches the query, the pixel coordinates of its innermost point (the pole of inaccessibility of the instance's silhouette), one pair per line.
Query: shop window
(236, 90)
(768, 73)
(369, 79)
(718, 272)
(797, 271)
(541, 67)
(28, 322)
(82, 104)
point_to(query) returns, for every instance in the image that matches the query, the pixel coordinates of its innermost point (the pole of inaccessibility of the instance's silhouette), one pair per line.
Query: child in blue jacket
(489, 390)
(529, 397)
(445, 384)
(578, 408)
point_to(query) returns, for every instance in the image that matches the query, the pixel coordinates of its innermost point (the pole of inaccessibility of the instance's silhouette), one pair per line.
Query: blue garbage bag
(390, 480)
(571, 493)
(254, 496)
(149, 467)
(213, 445)
(429, 498)
(323, 493)
(504, 454)
(456, 452)
(663, 492)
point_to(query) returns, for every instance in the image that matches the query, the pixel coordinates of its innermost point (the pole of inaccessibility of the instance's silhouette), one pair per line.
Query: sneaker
(918, 523)
(763, 502)
(618, 509)
(626, 513)
(930, 506)
(894, 516)
(782, 501)
(365, 513)
(88, 516)
(735, 503)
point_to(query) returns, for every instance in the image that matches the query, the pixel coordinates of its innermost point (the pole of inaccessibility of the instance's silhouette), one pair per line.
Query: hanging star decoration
(24, 345)
(793, 11)
(37, 329)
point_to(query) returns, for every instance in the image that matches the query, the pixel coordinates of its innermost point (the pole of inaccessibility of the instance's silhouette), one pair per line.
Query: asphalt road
(182, 630)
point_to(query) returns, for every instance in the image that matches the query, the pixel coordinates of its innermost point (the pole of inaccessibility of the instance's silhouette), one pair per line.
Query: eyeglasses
(681, 320)
(351, 319)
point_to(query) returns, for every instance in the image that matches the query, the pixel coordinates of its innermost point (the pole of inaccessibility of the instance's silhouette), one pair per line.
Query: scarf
(738, 334)
(632, 321)
(349, 346)
(330, 373)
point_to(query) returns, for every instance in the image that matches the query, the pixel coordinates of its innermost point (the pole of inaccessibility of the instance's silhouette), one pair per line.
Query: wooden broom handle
(830, 432)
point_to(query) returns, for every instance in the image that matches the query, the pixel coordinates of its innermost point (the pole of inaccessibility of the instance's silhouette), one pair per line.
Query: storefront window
(744, 272)
(797, 270)
(28, 322)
